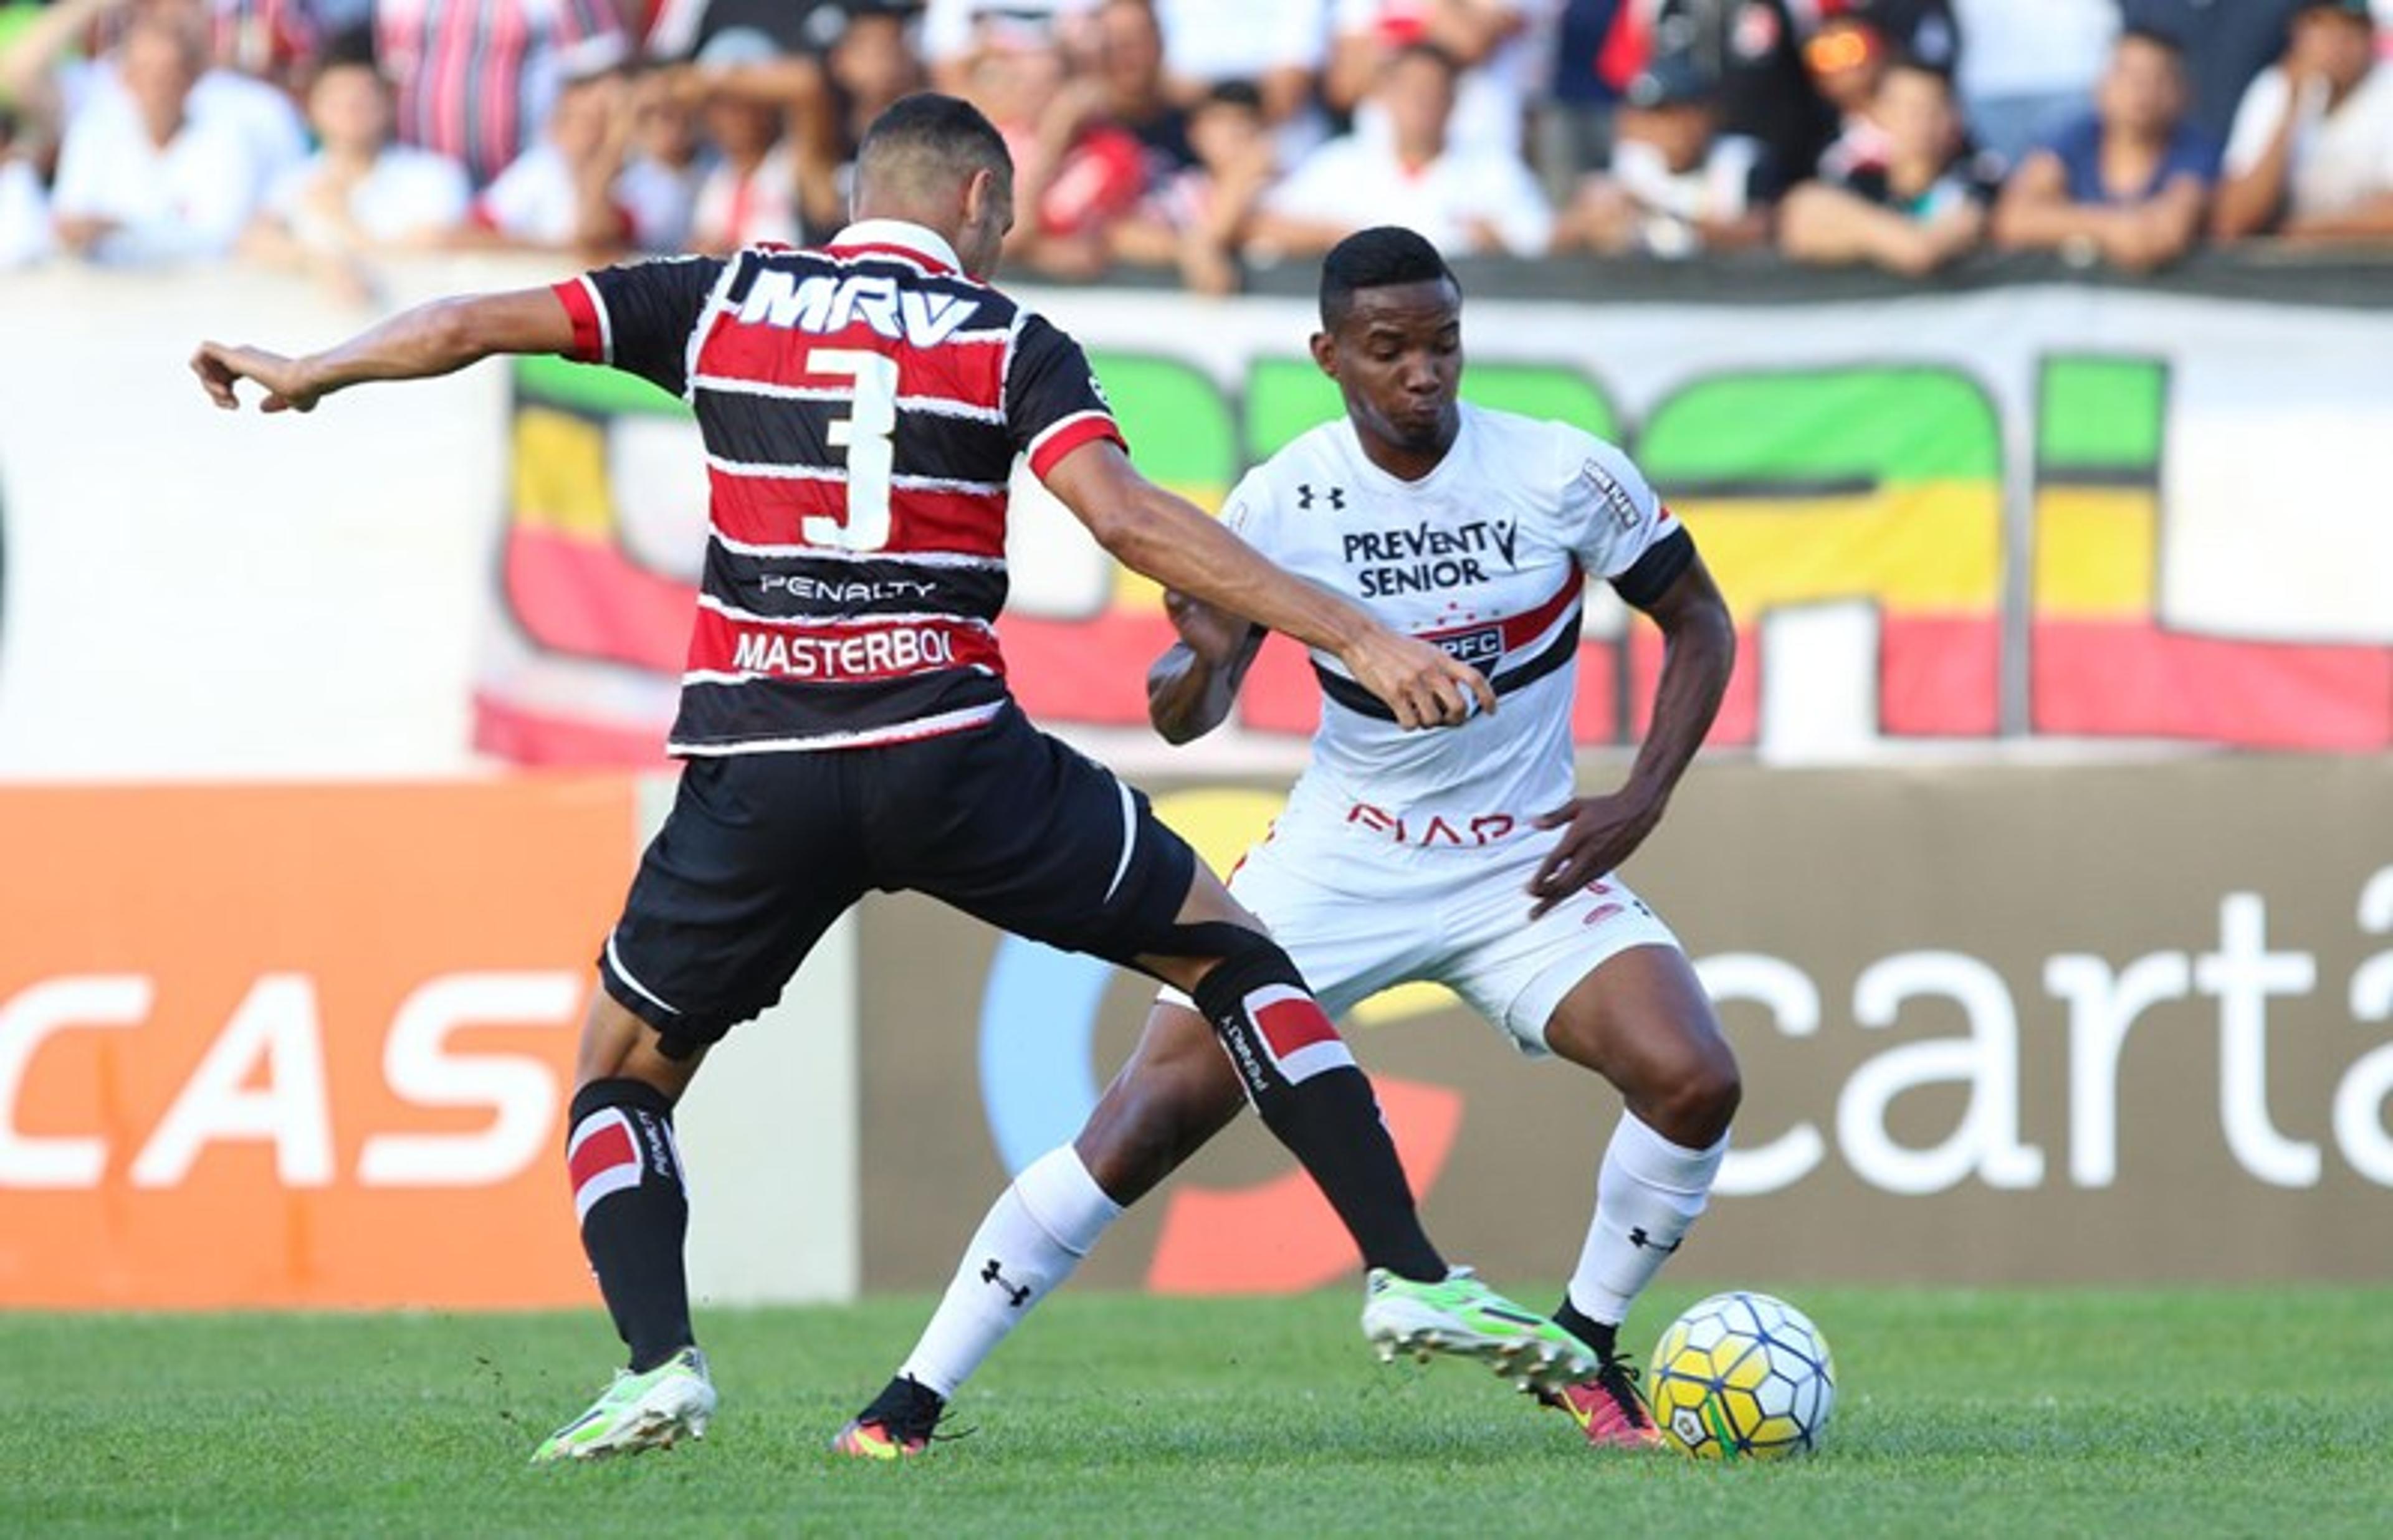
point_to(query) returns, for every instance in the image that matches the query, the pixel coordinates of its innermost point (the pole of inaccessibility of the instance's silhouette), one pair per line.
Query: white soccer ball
(1743, 1376)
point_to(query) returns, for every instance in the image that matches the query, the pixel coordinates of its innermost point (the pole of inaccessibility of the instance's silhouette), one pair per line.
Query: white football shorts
(1463, 923)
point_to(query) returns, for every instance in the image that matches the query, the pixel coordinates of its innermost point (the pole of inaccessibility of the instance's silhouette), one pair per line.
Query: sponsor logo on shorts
(1462, 833)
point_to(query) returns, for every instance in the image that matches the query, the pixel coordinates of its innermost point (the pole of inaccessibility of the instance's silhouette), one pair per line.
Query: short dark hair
(1376, 258)
(2158, 37)
(1244, 94)
(1422, 47)
(931, 127)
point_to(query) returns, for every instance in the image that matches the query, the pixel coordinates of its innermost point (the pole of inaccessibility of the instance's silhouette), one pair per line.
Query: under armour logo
(1637, 1237)
(1336, 496)
(1018, 1296)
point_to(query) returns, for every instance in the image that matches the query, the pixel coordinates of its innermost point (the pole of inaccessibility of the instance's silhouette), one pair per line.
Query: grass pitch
(1960, 1413)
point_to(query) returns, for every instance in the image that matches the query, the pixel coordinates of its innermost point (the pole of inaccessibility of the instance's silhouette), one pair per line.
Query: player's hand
(1599, 833)
(1214, 635)
(1422, 686)
(220, 367)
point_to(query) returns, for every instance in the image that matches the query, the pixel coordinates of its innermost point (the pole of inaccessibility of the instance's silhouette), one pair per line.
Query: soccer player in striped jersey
(1463, 858)
(846, 721)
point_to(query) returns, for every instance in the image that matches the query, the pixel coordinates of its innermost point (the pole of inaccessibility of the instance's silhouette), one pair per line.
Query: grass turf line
(1960, 1413)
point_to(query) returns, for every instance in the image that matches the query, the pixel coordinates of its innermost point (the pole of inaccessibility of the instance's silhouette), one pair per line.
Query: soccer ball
(1743, 1374)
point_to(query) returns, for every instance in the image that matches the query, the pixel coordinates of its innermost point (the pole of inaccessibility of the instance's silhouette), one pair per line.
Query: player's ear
(1325, 353)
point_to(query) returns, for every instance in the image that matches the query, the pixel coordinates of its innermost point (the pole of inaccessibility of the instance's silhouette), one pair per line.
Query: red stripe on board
(767, 510)
(524, 734)
(585, 600)
(2131, 679)
(609, 1148)
(862, 653)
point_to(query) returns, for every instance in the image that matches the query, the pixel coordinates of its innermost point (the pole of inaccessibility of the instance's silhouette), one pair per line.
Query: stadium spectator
(2128, 184)
(1924, 31)
(870, 66)
(1464, 202)
(477, 78)
(359, 193)
(2311, 156)
(751, 191)
(1195, 218)
(663, 158)
(2226, 45)
(955, 32)
(1128, 88)
(1279, 46)
(52, 89)
(1503, 47)
(1677, 186)
(142, 176)
(1754, 48)
(1571, 133)
(683, 29)
(2030, 66)
(1921, 208)
(24, 202)
(575, 189)
(1846, 60)
(1075, 175)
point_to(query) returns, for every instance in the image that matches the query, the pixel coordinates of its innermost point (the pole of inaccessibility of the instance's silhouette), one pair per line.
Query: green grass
(1960, 1413)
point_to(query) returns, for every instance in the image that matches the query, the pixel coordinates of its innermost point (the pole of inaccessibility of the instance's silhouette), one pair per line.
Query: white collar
(920, 239)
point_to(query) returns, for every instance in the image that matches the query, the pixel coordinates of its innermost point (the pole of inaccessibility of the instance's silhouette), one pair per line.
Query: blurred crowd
(1202, 136)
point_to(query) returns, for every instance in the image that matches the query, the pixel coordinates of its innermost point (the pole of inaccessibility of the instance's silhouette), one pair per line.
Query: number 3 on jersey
(867, 435)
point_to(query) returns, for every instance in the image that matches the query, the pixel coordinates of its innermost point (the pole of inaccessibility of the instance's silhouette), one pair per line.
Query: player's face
(1397, 359)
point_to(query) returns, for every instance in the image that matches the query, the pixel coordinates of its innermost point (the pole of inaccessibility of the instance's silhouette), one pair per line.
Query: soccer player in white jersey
(1463, 857)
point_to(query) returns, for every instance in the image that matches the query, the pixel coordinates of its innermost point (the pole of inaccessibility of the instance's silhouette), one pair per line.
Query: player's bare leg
(1177, 1091)
(1640, 1020)
(629, 1195)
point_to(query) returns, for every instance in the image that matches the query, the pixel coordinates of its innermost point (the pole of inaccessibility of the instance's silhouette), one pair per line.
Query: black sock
(627, 1188)
(1603, 1339)
(1309, 1093)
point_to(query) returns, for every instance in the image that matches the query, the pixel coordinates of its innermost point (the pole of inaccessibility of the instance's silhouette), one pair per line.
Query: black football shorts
(763, 852)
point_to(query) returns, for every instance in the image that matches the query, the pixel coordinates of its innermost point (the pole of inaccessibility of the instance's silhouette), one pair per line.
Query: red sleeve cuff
(589, 330)
(1062, 438)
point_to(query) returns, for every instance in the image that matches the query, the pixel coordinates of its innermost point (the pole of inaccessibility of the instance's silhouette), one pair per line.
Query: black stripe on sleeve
(1644, 584)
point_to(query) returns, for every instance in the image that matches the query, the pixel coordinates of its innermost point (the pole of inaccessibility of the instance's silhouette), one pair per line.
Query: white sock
(1036, 1232)
(1647, 1194)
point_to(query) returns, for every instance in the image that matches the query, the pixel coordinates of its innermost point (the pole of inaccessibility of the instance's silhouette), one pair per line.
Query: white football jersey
(1487, 556)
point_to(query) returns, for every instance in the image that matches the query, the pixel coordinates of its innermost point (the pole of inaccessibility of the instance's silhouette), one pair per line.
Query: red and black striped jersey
(862, 406)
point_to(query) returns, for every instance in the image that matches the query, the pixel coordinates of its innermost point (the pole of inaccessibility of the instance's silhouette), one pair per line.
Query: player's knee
(617, 1045)
(1246, 959)
(1702, 1102)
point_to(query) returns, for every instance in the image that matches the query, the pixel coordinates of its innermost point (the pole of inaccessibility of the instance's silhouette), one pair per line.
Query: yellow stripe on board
(1135, 592)
(1934, 546)
(2097, 553)
(560, 474)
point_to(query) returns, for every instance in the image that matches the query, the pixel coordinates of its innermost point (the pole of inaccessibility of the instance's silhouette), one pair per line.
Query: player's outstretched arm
(438, 338)
(1699, 649)
(1171, 540)
(1189, 689)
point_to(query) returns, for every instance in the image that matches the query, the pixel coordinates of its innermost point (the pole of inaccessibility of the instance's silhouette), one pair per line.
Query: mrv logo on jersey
(826, 304)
